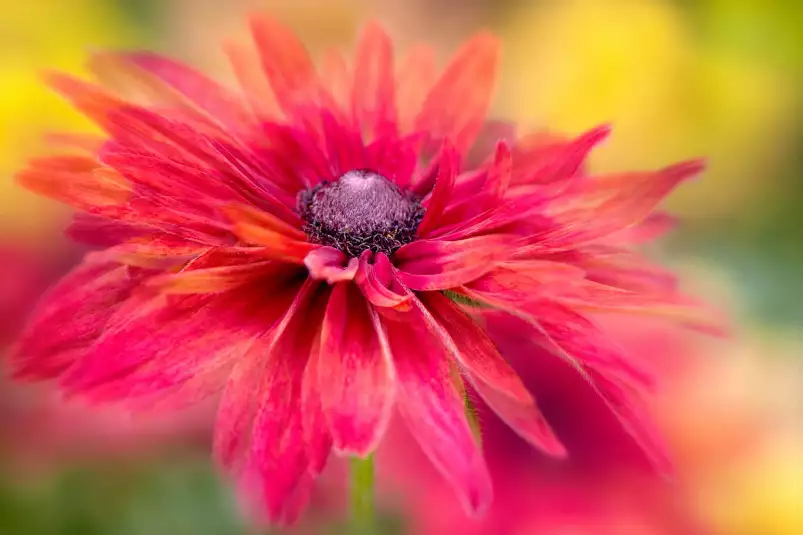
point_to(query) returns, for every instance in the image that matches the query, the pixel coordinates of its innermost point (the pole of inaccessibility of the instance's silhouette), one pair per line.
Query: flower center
(360, 210)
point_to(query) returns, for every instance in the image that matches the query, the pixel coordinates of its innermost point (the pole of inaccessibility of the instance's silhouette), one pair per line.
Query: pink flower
(312, 247)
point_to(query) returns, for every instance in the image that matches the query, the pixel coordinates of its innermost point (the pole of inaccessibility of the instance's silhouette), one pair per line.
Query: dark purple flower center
(360, 210)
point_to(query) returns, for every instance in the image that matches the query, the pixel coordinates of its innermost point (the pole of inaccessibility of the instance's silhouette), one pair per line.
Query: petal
(260, 433)
(606, 205)
(416, 75)
(331, 265)
(254, 227)
(442, 192)
(356, 375)
(71, 317)
(428, 265)
(219, 102)
(286, 63)
(155, 344)
(433, 409)
(79, 181)
(373, 92)
(456, 106)
(489, 374)
(314, 425)
(379, 283)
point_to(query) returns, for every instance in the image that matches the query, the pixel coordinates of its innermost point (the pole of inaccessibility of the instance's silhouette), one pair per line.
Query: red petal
(428, 265)
(331, 265)
(489, 374)
(356, 377)
(456, 106)
(433, 410)
(373, 93)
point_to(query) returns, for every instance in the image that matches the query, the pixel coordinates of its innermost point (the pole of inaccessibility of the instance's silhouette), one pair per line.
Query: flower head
(312, 247)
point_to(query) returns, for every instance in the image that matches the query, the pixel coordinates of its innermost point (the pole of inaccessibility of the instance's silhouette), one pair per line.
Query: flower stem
(361, 472)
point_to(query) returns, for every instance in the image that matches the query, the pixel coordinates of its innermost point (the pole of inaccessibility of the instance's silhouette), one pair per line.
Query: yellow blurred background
(714, 78)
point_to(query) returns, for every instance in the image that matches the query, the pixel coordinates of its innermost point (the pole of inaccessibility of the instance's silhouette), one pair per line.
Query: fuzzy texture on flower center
(360, 210)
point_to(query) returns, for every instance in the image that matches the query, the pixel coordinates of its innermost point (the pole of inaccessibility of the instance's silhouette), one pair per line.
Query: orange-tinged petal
(457, 105)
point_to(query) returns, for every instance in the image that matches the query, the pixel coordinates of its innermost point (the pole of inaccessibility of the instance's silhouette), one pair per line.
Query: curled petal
(356, 377)
(379, 283)
(331, 265)
(432, 407)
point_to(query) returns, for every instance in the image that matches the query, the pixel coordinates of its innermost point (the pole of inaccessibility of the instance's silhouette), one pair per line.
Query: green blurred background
(677, 79)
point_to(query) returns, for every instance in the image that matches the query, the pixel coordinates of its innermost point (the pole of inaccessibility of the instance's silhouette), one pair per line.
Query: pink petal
(433, 410)
(260, 433)
(71, 317)
(356, 374)
(379, 283)
(314, 424)
(442, 192)
(155, 344)
(331, 265)
(428, 265)
(489, 373)
(456, 106)
(373, 93)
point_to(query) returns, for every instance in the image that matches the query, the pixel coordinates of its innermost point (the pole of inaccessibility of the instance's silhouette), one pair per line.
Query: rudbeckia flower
(312, 247)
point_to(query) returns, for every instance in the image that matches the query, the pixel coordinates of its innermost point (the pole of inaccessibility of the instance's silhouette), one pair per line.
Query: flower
(312, 246)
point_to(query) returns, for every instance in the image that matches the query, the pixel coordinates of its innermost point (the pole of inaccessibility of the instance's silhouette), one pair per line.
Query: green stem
(362, 495)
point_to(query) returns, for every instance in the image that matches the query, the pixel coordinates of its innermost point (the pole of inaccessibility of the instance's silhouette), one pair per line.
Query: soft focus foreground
(677, 80)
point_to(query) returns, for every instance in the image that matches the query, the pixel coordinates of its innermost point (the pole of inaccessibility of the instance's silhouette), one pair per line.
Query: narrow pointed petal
(286, 63)
(314, 425)
(433, 409)
(416, 75)
(456, 106)
(442, 192)
(356, 375)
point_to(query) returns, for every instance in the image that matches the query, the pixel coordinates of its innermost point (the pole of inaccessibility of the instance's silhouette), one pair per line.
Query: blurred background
(677, 78)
